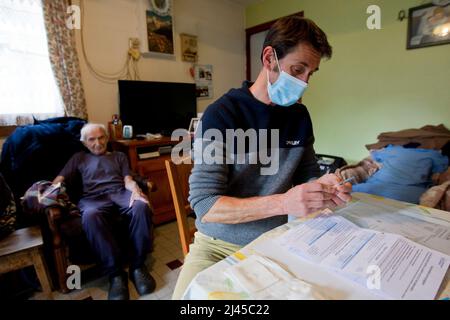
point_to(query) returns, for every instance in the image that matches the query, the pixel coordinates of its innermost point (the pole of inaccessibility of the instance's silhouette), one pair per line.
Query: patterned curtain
(64, 58)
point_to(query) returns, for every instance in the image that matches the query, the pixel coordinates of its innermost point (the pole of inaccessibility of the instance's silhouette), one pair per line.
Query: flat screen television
(156, 107)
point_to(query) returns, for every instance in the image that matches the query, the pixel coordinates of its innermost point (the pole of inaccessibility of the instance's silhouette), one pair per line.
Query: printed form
(408, 222)
(389, 264)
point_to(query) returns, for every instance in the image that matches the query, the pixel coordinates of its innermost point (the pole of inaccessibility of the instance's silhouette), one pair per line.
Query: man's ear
(268, 58)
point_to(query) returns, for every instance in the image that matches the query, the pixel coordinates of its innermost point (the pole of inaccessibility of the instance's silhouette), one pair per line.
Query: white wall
(108, 24)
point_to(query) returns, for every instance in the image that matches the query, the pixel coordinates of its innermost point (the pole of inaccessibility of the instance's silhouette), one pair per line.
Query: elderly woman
(107, 186)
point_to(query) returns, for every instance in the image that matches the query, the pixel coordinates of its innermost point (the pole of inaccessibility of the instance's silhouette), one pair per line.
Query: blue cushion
(408, 166)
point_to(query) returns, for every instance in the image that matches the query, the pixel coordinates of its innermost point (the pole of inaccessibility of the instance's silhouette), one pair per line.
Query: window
(28, 88)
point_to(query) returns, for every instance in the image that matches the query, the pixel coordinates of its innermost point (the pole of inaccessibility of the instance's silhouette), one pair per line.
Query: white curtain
(27, 85)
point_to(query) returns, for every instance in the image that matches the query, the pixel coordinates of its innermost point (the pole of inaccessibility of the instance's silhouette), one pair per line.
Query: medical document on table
(411, 222)
(388, 264)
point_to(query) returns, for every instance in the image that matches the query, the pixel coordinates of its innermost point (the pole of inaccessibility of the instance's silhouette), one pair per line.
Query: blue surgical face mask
(286, 90)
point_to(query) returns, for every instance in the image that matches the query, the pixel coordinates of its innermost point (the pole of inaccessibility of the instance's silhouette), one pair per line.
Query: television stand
(147, 158)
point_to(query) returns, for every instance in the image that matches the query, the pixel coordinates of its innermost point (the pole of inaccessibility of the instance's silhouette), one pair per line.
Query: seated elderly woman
(107, 186)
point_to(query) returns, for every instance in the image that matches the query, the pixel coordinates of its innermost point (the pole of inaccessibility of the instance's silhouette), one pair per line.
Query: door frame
(257, 29)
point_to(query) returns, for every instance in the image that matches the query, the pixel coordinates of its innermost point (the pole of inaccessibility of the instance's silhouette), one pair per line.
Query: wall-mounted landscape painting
(160, 27)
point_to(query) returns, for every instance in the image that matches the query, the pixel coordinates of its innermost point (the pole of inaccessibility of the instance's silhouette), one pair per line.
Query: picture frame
(193, 125)
(428, 25)
(159, 23)
(189, 50)
(203, 75)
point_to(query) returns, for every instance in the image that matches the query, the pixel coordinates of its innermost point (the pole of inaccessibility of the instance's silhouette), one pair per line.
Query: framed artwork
(428, 25)
(203, 80)
(160, 27)
(188, 47)
(193, 125)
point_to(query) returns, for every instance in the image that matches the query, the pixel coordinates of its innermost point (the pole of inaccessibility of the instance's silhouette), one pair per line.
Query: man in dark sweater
(107, 186)
(235, 202)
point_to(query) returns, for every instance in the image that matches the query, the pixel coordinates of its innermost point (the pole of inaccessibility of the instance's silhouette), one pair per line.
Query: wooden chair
(178, 175)
(23, 248)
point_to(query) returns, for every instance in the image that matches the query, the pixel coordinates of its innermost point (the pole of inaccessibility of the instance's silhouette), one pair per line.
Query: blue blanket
(405, 174)
(38, 152)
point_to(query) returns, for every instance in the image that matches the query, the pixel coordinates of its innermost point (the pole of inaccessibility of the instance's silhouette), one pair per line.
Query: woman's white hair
(88, 127)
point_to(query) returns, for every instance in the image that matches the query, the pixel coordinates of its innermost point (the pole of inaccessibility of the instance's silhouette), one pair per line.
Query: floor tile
(163, 263)
(174, 264)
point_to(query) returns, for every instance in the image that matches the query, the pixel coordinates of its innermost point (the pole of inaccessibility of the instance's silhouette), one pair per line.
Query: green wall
(372, 84)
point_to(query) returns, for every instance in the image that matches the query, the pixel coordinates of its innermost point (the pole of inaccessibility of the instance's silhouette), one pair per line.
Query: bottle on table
(115, 127)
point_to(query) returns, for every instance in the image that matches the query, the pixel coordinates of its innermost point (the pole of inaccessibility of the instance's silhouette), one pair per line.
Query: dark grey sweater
(238, 109)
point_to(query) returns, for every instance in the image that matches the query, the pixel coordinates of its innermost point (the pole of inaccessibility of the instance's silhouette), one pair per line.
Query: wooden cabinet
(153, 168)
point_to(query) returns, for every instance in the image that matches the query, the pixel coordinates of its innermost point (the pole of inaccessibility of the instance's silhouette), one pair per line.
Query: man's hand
(342, 191)
(137, 194)
(307, 198)
(58, 179)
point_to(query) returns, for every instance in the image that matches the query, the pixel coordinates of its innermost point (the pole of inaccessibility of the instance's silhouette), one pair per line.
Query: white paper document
(263, 279)
(390, 265)
(432, 233)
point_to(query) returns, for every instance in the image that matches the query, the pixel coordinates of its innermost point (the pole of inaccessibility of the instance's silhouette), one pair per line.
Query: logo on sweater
(237, 147)
(293, 142)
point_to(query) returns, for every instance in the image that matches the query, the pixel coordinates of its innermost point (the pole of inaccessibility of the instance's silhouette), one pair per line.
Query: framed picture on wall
(428, 25)
(160, 27)
(193, 125)
(188, 47)
(203, 80)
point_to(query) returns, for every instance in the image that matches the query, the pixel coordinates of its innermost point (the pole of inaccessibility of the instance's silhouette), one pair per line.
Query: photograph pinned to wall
(193, 125)
(428, 25)
(203, 81)
(160, 27)
(188, 47)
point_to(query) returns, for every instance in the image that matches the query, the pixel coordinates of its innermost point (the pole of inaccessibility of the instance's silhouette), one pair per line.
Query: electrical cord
(130, 66)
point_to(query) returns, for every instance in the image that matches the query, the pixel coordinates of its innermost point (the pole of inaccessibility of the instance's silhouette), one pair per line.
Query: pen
(346, 180)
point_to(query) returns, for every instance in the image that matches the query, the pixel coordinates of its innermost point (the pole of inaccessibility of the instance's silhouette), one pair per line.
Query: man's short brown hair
(288, 32)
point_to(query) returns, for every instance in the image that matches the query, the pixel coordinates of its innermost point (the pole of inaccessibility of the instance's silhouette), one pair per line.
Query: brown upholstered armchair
(67, 243)
(39, 152)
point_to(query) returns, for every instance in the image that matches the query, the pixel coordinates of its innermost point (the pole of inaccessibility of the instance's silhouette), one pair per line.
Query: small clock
(161, 7)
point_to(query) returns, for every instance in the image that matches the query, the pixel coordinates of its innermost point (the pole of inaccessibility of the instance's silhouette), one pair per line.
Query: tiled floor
(163, 263)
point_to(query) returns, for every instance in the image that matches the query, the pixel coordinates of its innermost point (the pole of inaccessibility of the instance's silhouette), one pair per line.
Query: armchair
(68, 243)
(39, 152)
